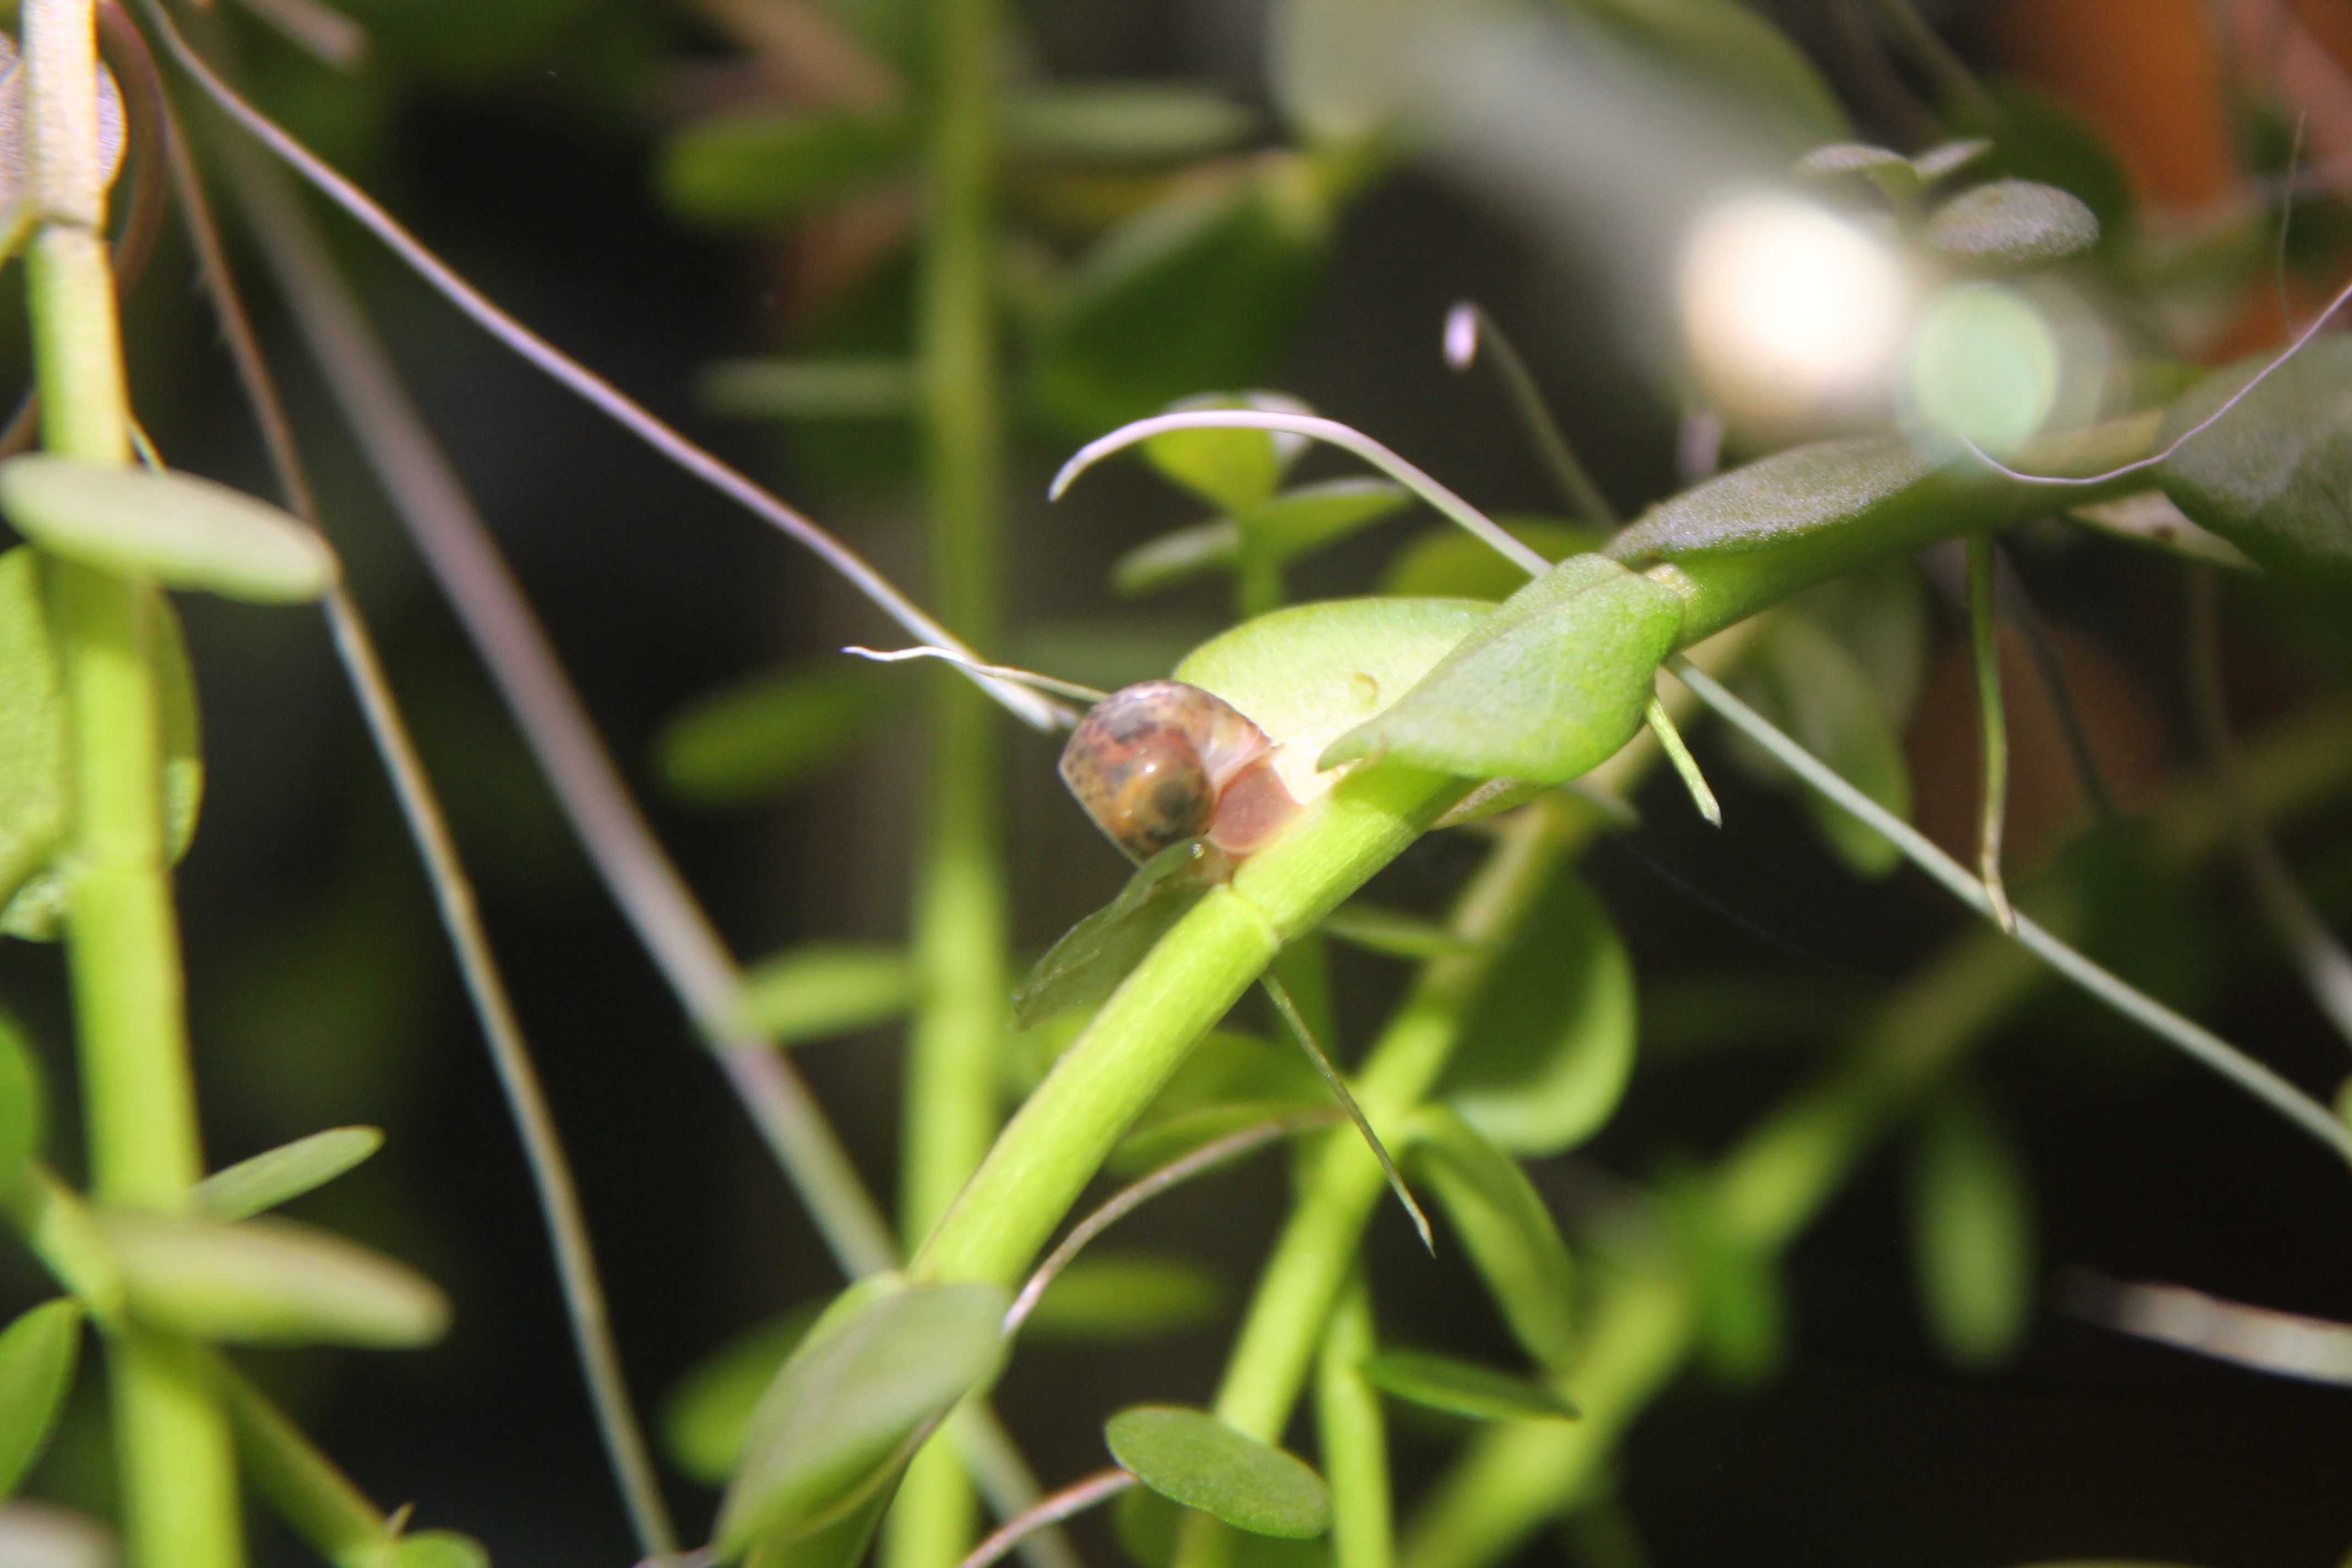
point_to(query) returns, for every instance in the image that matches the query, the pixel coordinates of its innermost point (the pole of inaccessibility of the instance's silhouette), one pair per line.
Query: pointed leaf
(1547, 689)
(1389, 932)
(1118, 1298)
(1446, 563)
(755, 168)
(22, 1109)
(268, 1281)
(1235, 469)
(841, 1413)
(1504, 1227)
(1548, 1048)
(181, 531)
(1094, 955)
(2013, 225)
(1123, 122)
(37, 1352)
(1971, 1231)
(708, 1414)
(285, 1173)
(763, 735)
(825, 989)
(1193, 1458)
(2272, 474)
(1463, 1388)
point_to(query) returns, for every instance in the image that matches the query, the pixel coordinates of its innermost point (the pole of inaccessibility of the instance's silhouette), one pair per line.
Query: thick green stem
(959, 923)
(178, 1470)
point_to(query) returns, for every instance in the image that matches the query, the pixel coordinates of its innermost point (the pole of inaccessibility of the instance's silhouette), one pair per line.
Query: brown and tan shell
(1162, 762)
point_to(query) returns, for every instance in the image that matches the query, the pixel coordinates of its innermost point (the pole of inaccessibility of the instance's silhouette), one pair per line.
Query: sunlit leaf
(285, 1173)
(765, 734)
(1742, 1318)
(795, 389)
(1123, 122)
(1118, 1298)
(758, 167)
(33, 743)
(37, 1352)
(843, 1408)
(1549, 1045)
(1504, 1227)
(1235, 469)
(1200, 290)
(176, 529)
(822, 989)
(1971, 1231)
(2013, 225)
(1389, 932)
(22, 1111)
(1549, 687)
(1094, 955)
(268, 1281)
(1191, 1458)
(2272, 474)
(1463, 1388)
(707, 1414)
(1446, 563)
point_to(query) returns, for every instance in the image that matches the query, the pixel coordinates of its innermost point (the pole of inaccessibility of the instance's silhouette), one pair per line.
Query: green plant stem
(1351, 1433)
(177, 1464)
(1992, 727)
(1777, 1177)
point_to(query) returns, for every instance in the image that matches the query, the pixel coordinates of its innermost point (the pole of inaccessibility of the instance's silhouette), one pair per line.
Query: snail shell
(1160, 763)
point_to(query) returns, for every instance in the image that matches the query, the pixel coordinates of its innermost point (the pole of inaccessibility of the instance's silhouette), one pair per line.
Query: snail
(1158, 763)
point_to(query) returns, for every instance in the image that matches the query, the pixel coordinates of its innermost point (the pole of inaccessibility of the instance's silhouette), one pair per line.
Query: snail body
(1160, 761)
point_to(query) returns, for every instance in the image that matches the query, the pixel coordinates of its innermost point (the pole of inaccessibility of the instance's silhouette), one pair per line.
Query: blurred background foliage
(712, 202)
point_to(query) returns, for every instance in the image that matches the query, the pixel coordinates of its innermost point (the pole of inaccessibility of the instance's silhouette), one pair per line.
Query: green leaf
(1739, 50)
(1118, 1298)
(433, 1549)
(37, 1352)
(1894, 174)
(32, 748)
(840, 1543)
(21, 1106)
(1202, 288)
(1742, 1318)
(1283, 527)
(1823, 694)
(1123, 122)
(1548, 1047)
(708, 1414)
(1389, 932)
(1949, 158)
(1307, 674)
(1463, 1388)
(1096, 955)
(285, 1173)
(2272, 474)
(739, 169)
(1547, 689)
(755, 739)
(176, 529)
(1971, 1231)
(794, 389)
(2037, 138)
(2013, 225)
(1235, 469)
(841, 1413)
(268, 1281)
(1878, 481)
(1191, 1458)
(1446, 563)
(822, 989)
(1504, 1227)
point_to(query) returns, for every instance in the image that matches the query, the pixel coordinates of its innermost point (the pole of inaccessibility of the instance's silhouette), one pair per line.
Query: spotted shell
(1160, 763)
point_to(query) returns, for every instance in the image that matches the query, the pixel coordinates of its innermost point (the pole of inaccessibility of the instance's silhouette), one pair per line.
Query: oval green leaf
(1546, 688)
(825, 989)
(2013, 225)
(268, 1281)
(1548, 1048)
(37, 1352)
(755, 739)
(708, 1414)
(1504, 1227)
(2272, 474)
(844, 1409)
(1446, 563)
(176, 529)
(1463, 1388)
(285, 1173)
(1234, 470)
(1191, 1458)
(1971, 1231)
(757, 168)
(1109, 1298)
(22, 1107)
(1148, 1526)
